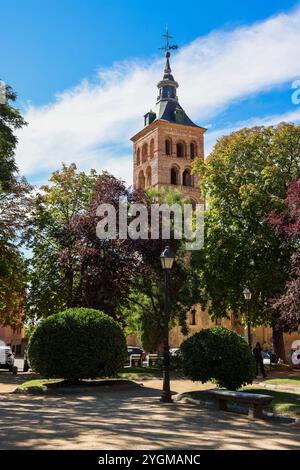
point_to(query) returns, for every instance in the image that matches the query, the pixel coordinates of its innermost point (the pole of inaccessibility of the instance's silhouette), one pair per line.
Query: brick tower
(167, 145)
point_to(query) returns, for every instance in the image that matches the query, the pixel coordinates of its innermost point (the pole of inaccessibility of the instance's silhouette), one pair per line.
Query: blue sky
(86, 72)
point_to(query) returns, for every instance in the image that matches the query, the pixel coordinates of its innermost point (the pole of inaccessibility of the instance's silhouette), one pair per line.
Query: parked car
(174, 352)
(135, 350)
(269, 358)
(7, 359)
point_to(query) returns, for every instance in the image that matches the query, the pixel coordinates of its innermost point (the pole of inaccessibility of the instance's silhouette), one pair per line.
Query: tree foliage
(104, 267)
(77, 344)
(72, 267)
(286, 223)
(243, 179)
(14, 207)
(146, 301)
(53, 281)
(218, 354)
(10, 121)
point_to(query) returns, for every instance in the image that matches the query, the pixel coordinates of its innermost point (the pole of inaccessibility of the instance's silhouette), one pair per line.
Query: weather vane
(167, 47)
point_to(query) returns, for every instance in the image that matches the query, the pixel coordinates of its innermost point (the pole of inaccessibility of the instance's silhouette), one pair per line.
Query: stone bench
(255, 401)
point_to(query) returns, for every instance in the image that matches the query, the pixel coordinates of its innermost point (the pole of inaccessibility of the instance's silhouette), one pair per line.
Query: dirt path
(130, 419)
(9, 382)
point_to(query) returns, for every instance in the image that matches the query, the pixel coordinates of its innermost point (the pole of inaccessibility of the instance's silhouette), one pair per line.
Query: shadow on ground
(131, 419)
(9, 382)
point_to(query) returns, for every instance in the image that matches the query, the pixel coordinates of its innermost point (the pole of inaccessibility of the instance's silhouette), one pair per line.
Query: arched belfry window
(193, 150)
(148, 177)
(180, 149)
(144, 153)
(141, 180)
(187, 178)
(168, 147)
(174, 175)
(138, 156)
(152, 148)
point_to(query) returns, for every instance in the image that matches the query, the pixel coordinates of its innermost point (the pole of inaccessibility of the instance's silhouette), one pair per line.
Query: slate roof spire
(167, 105)
(167, 86)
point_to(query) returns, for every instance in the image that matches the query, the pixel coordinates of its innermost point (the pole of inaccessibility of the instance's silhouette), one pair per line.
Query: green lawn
(292, 380)
(284, 403)
(140, 373)
(128, 373)
(37, 384)
(144, 373)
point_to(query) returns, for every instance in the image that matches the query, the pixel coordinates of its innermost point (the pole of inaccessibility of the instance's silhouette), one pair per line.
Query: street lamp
(167, 259)
(248, 294)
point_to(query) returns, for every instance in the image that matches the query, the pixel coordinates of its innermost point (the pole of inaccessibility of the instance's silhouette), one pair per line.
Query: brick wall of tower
(159, 164)
(143, 163)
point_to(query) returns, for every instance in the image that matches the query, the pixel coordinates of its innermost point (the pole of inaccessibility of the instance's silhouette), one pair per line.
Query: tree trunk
(278, 344)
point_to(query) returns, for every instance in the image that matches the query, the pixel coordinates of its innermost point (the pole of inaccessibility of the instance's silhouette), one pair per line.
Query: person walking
(258, 355)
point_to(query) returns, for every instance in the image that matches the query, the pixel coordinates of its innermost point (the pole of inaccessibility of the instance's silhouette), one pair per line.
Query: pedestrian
(258, 355)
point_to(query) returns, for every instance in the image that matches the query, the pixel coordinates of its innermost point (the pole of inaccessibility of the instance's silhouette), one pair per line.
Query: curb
(184, 399)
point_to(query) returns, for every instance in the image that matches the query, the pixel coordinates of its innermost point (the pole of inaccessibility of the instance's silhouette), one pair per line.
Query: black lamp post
(167, 258)
(248, 294)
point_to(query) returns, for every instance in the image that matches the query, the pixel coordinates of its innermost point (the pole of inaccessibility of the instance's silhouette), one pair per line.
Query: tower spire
(167, 48)
(167, 106)
(167, 86)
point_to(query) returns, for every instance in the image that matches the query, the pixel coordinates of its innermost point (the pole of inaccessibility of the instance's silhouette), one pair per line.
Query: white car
(7, 359)
(174, 352)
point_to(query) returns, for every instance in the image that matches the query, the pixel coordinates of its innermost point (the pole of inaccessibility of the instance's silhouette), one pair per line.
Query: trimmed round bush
(79, 343)
(220, 355)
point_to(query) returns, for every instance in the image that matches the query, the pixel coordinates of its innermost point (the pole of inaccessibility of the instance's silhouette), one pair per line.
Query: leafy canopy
(218, 354)
(14, 207)
(243, 179)
(286, 224)
(77, 344)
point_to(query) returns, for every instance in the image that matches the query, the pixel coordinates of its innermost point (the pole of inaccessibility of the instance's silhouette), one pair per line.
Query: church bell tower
(165, 148)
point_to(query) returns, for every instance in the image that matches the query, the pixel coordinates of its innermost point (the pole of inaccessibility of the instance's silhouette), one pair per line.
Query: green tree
(144, 308)
(52, 283)
(218, 354)
(10, 121)
(79, 343)
(243, 179)
(14, 206)
(13, 281)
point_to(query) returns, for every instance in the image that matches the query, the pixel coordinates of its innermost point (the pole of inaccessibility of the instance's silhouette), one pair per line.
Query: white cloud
(272, 120)
(92, 123)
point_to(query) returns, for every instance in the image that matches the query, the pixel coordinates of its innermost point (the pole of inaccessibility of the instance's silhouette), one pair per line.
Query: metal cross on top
(167, 47)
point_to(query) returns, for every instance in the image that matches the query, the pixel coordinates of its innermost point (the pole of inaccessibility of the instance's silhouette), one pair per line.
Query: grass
(140, 373)
(37, 384)
(128, 373)
(144, 373)
(284, 403)
(292, 380)
(279, 367)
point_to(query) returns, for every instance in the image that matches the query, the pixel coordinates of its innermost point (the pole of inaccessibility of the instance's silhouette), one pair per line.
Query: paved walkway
(131, 419)
(9, 382)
